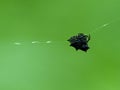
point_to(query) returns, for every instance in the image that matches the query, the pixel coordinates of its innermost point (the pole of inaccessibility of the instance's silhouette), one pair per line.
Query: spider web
(100, 28)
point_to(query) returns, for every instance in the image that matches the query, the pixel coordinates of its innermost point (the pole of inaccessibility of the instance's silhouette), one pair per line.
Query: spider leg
(89, 38)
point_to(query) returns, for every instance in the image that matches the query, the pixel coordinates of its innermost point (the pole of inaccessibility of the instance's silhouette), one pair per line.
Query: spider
(80, 42)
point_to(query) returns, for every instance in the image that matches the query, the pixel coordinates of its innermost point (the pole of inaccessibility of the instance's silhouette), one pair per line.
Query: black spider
(80, 41)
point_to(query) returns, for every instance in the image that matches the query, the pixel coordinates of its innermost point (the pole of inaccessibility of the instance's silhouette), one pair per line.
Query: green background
(56, 66)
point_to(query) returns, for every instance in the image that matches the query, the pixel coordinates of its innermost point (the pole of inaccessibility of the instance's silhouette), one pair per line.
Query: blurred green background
(56, 66)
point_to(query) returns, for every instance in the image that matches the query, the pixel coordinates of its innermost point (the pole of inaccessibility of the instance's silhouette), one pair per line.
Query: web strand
(100, 28)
